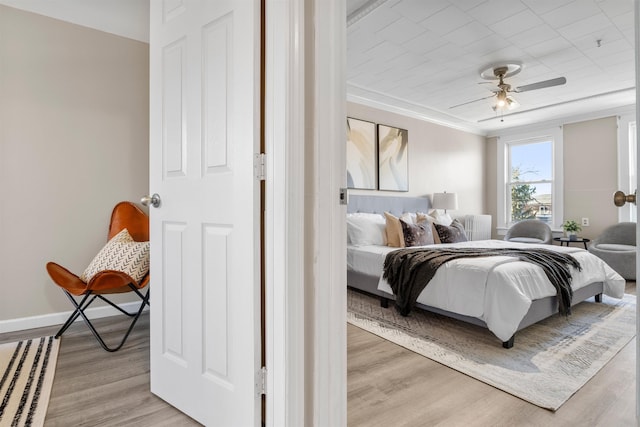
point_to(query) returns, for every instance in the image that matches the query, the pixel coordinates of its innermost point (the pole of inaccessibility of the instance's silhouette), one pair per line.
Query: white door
(205, 305)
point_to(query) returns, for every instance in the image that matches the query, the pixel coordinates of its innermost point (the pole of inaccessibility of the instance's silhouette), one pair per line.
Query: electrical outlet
(585, 222)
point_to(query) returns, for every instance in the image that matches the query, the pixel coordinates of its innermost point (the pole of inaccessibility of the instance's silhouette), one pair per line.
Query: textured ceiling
(426, 56)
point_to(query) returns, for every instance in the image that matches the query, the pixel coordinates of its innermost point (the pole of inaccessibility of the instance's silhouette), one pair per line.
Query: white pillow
(441, 218)
(366, 229)
(410, 217)
(123, 254)
(373, 216)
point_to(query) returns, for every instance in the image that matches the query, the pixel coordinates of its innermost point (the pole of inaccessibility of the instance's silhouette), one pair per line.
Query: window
(530, 184)
(530, 181)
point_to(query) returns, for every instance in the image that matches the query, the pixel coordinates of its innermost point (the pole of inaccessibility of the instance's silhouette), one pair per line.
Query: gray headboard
(395, 205)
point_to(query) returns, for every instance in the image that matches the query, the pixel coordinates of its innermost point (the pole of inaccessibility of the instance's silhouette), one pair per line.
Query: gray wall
(440, 159)
(73, 142)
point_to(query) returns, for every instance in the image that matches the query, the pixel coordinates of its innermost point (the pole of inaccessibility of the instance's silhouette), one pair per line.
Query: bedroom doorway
(637, 182)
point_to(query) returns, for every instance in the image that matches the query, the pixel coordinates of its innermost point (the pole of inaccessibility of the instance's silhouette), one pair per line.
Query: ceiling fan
(504, 101)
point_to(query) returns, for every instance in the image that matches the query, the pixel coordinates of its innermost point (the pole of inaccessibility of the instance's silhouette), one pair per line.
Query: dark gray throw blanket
(408, 271)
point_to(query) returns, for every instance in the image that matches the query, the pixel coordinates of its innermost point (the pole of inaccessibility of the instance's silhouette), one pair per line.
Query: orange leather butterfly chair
(124, 215)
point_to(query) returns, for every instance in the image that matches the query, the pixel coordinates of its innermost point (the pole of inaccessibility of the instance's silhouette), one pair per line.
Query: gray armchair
(529, 231)
(617, 247)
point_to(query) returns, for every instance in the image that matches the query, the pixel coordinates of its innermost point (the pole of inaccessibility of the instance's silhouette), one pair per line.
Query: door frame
(288, 340)
(304, 223)
(636, 14)
(284, 210)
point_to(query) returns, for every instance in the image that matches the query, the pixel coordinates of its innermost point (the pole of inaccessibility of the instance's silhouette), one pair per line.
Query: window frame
(554, 135)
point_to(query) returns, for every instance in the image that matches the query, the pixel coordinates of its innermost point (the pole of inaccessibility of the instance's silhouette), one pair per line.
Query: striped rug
(26, 376)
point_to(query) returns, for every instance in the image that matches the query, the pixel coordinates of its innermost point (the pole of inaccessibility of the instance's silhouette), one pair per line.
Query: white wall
(440, 159)
(73, 142)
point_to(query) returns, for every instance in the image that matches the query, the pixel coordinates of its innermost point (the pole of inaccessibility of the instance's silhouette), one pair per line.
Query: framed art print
(361, 154)
(393, 162)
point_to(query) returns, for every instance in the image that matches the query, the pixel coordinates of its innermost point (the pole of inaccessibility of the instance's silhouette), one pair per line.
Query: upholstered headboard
(395, 205)
(477, 227)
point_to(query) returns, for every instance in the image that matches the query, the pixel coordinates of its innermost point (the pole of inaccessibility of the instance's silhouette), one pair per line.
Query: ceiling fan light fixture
(501, 91)
(505, 102)
(501, 101)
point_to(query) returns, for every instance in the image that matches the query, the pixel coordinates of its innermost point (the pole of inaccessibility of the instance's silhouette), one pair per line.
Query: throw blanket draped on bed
(408, 271)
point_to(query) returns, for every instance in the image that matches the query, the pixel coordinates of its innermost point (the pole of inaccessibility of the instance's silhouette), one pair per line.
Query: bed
(503, 295)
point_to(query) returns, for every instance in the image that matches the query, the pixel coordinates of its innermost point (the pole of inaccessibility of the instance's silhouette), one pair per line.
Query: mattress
(498, 290)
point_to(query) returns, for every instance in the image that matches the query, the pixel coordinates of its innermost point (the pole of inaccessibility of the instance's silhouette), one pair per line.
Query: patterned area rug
(549, 362)
(27, 369)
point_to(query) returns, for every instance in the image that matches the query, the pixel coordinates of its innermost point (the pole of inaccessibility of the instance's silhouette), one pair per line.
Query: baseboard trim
(23, 323)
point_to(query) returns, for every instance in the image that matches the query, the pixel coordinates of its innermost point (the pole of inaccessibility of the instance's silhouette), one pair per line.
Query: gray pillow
(451, 234)
(417, 234)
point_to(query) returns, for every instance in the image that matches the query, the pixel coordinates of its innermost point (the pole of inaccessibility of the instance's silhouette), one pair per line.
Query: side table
(564, 241)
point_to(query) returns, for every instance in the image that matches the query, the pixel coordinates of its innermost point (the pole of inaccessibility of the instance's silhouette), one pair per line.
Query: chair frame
(83, 305)
(82, 295)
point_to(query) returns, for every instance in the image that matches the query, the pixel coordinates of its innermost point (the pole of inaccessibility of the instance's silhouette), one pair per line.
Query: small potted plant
(571, 229)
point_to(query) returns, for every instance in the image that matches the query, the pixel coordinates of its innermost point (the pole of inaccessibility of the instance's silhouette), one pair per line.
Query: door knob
(619, 198)
(151, 200)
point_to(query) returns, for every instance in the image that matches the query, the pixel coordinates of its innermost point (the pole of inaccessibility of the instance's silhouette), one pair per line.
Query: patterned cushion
(418, 234)
(122, 254)
(451, 234)
(432, 222)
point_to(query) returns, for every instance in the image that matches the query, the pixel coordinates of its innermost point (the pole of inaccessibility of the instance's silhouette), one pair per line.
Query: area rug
(27, 369)
(549, 362)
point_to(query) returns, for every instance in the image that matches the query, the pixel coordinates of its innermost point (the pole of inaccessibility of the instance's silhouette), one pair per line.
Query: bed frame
(540, 309)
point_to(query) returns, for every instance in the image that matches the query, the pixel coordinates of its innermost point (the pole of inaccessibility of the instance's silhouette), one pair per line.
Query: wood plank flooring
(387, 386)
(95, 388)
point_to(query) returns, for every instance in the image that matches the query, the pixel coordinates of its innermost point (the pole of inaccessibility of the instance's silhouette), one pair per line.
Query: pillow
(441, 218)
(451, 234)
(365, 215)
(368, 229)
(420, 217)
(123, 254)
(418, 234)
(395, 236)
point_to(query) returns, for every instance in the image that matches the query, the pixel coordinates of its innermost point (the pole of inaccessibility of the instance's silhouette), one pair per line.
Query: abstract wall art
(361, 154)
(393, 164)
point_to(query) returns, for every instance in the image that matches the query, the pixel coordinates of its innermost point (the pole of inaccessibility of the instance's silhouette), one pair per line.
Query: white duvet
(498, 290)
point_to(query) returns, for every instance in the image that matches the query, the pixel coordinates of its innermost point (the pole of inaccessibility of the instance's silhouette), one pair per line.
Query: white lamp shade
(445, 201)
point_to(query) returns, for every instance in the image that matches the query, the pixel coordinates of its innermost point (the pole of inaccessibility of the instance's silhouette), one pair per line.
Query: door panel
(205, 330)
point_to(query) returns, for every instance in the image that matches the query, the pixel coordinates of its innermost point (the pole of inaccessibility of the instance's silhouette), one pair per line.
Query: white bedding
(498, 290)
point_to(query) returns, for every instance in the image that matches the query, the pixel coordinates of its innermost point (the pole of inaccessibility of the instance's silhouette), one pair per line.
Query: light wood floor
(95, 388)
(387, 386)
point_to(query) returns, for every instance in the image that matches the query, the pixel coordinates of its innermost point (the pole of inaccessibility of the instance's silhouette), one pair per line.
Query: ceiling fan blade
(469, 102)
(541, 85)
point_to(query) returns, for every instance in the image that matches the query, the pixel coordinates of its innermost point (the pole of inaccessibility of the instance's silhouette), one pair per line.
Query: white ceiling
(422, 57)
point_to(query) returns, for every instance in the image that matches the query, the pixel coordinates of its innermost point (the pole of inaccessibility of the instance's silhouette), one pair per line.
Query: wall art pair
(377, 156)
